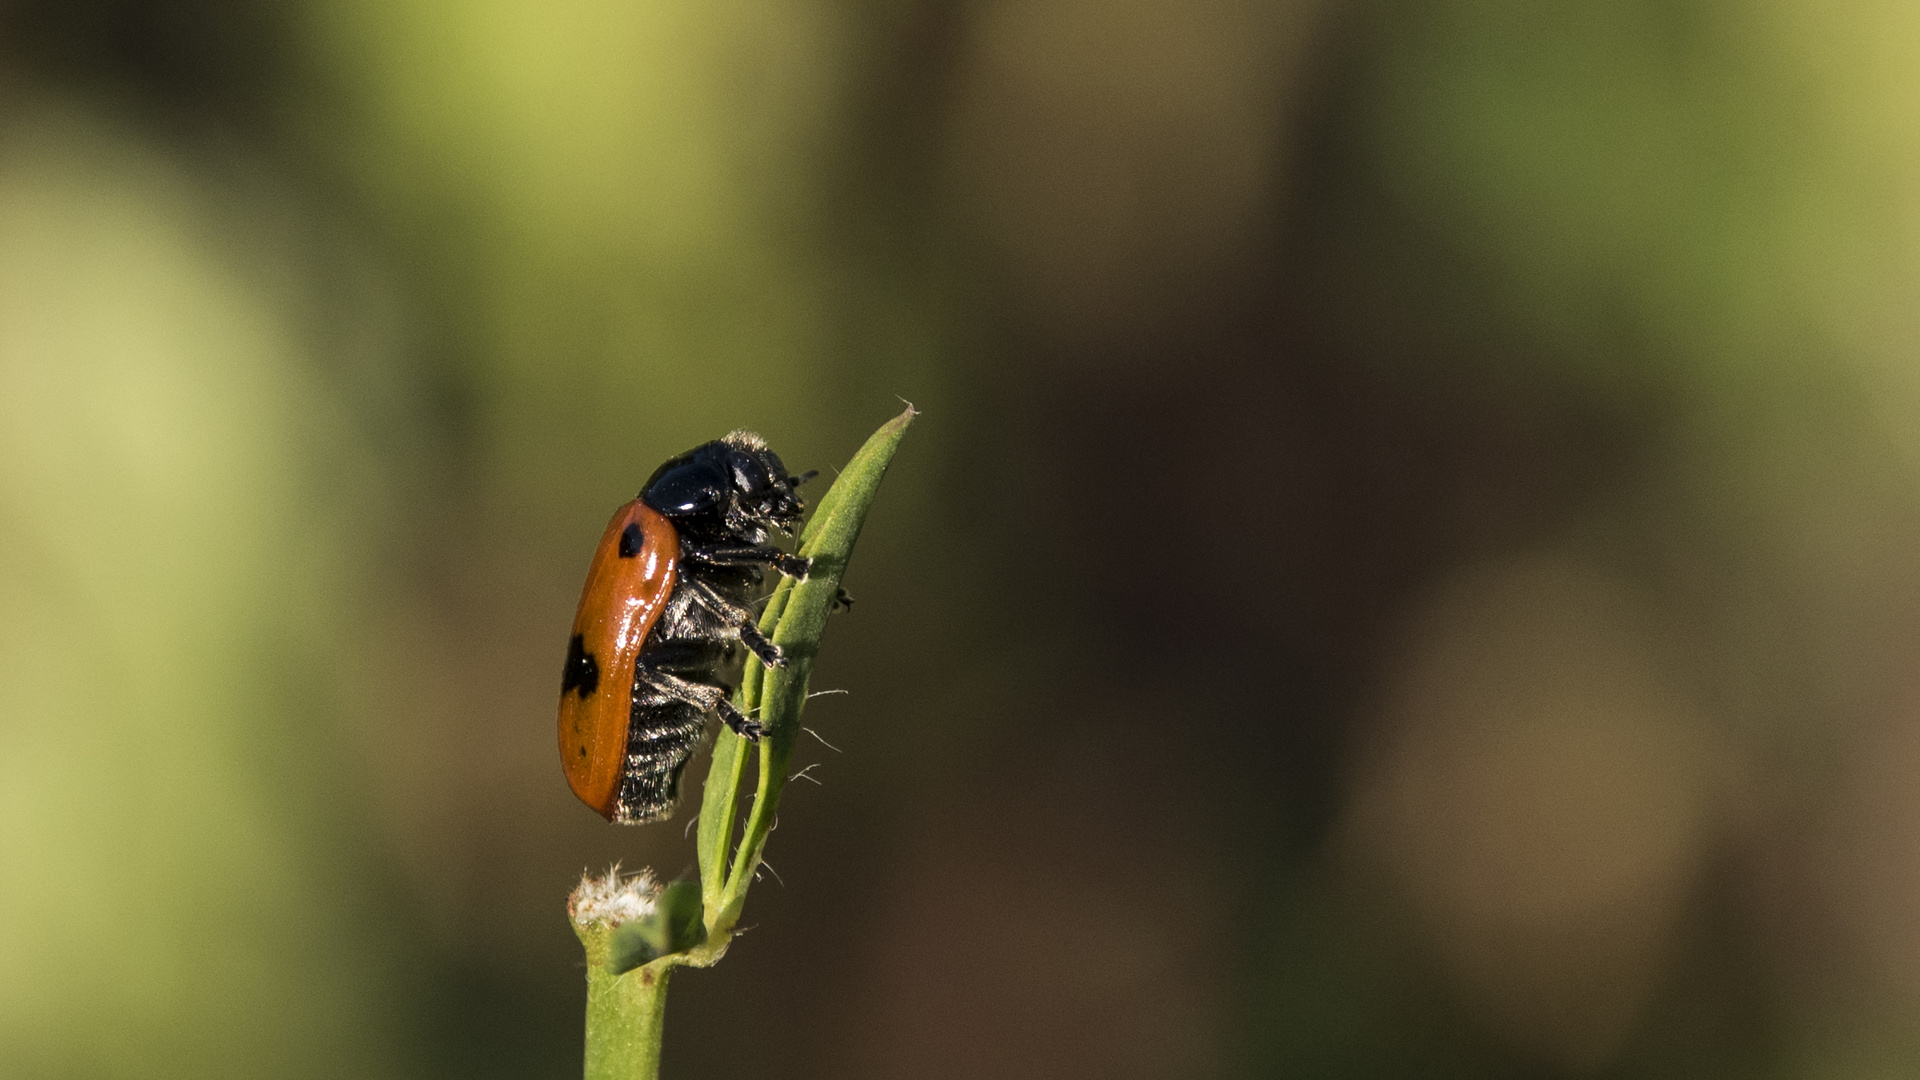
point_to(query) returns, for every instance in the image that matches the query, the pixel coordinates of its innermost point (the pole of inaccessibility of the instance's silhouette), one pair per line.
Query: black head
(732, 486)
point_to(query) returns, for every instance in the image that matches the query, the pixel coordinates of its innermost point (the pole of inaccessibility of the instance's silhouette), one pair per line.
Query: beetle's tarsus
(750, 730)
(767, 651)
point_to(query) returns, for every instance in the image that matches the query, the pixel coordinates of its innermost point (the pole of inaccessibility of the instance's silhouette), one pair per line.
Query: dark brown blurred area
(1407, 566)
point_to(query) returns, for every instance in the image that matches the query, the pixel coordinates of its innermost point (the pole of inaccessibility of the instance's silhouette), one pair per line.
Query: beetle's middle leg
(735, 620)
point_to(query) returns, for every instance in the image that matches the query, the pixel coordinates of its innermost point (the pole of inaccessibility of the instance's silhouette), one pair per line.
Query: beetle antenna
(796, 481)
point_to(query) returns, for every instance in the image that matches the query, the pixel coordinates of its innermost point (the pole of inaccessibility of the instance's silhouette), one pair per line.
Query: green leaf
(795, 618)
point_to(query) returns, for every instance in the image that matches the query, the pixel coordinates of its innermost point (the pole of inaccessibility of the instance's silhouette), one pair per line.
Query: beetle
(667, 607)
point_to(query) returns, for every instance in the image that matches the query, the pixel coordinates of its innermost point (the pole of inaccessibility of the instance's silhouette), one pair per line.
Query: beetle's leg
(841, 600)
(737, 620)
(767, 651)
(792, 566)
(707, 697)
(724, 617)
(750, 730)
(707, 608)
(703, 696)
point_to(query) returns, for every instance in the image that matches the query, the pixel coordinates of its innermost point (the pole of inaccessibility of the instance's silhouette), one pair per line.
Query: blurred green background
(1410, 565)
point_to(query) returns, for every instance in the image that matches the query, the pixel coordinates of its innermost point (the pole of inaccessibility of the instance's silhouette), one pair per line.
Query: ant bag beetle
(669, 599)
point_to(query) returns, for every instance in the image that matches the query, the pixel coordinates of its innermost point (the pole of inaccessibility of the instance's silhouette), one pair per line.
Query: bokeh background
(1410, 564)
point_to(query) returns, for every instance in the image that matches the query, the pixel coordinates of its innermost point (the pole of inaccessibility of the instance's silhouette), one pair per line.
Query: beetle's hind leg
(705, 696)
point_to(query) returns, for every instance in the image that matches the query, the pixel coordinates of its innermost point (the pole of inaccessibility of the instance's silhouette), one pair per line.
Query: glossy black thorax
(732, 490)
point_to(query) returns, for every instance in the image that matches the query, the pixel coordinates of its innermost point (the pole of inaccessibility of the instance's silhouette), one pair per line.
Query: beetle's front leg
(793, 566)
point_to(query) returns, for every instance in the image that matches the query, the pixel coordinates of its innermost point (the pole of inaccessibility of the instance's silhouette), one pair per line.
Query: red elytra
(632, 575)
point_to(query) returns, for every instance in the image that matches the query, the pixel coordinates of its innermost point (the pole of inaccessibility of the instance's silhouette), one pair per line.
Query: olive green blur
(1408, 564)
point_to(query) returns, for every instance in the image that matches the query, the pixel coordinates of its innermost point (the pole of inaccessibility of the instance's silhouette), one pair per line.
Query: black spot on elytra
(582, 671)
(630, 540)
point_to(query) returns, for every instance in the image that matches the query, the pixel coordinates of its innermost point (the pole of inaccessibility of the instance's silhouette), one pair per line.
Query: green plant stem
(625, 1013)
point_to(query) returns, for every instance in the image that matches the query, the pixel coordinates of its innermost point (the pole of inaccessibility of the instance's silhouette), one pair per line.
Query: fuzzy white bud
(612, 899)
